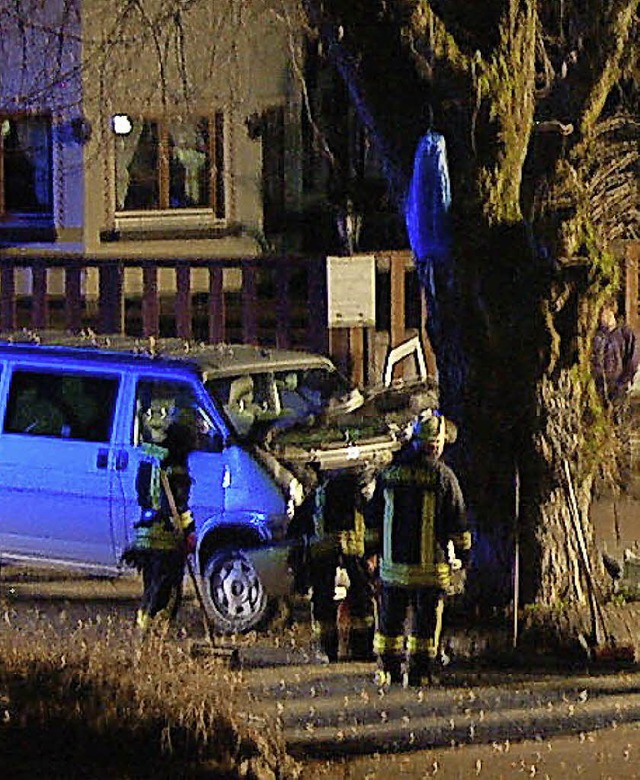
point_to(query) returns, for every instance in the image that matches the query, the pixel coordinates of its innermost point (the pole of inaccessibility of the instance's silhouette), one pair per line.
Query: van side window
(159, 403)
(62, 405)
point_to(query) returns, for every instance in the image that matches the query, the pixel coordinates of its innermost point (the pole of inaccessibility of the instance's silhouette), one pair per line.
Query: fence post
(398, 319)
(39, 305)
(249, 304)
(317, 314)
(7, 297)
(184, 328)
(73, 298)
(283, 304)
(216, 313)
(356, 356)
(338, 349)
(111, 316)
(150, 306)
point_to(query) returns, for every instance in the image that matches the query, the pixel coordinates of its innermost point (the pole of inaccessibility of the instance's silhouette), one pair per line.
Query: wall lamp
(121, 124)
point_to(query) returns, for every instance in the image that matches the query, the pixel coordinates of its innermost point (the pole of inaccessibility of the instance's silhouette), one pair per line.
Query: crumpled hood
(344, 438)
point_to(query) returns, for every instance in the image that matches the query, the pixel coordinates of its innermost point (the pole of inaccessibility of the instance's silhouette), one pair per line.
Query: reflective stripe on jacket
(156, 529)
(338, 514)
(423, 509)
(158, 535)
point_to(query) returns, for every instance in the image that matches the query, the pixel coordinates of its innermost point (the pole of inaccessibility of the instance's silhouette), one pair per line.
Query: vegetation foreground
(95, 702)
(81, 697)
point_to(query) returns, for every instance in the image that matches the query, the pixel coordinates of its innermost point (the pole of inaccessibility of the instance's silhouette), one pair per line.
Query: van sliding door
(55, 475)
(157, 401)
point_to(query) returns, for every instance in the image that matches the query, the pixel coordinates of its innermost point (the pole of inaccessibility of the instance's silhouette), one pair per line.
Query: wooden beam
(216, 312)
(249, 303)
(398, 317)
(184, 328)
(150, 306)
(73, 298)
(356, 354)
(39, 310)
(7, 297)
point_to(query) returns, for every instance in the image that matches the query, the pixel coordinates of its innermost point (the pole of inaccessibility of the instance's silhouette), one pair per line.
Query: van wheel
(234, 594)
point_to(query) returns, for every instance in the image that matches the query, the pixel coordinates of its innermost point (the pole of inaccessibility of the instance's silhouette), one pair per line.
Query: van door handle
(102, 461)
(122, 460)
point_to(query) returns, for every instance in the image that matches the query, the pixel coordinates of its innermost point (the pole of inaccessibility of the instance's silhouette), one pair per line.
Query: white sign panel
(351, 289)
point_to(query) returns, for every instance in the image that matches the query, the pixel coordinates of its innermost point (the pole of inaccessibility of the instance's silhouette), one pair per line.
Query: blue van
(70, 436)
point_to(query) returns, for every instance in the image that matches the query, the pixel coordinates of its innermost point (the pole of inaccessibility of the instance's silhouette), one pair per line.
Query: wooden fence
(629, 252)
(272, 301)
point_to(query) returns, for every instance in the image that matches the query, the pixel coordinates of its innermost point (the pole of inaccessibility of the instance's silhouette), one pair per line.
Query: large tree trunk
(512, 310)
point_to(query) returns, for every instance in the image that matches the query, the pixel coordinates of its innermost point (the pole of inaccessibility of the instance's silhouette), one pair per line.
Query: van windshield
(259, 401)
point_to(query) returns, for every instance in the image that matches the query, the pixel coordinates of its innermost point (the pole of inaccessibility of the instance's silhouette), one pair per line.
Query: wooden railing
(273, 301)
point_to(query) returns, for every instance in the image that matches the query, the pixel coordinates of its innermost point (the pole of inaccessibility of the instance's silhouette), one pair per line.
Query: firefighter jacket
(156, 529)
(339, 514)
(420, 508)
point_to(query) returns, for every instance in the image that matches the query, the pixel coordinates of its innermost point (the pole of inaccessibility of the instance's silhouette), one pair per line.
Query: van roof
(212, 360)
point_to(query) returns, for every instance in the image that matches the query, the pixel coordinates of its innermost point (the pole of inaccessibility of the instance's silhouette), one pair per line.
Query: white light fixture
(121, 124)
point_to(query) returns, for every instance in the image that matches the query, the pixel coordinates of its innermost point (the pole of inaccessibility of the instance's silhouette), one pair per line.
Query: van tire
(234, 595)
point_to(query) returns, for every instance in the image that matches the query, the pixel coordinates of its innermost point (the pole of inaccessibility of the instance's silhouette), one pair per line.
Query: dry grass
(88, 699)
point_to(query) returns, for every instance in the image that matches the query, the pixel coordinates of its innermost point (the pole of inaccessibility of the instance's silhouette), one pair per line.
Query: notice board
(351, 290)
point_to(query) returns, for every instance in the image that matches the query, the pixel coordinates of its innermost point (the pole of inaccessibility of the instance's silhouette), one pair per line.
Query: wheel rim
(236, 590)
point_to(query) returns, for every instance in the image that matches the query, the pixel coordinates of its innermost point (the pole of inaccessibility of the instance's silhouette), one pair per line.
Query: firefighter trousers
(162, 577)
(408, 629)
(358, 606)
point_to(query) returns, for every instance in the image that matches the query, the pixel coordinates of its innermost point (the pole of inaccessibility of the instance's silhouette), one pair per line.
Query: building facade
(148, 129)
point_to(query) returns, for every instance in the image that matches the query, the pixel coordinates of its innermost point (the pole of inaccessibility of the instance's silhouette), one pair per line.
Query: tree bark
(512, 310)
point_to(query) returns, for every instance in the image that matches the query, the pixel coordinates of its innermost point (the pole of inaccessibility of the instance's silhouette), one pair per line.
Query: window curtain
(125, 150)
(189, 150)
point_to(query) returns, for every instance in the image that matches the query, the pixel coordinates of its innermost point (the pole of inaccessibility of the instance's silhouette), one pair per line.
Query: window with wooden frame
(26, 180)
(170, 164)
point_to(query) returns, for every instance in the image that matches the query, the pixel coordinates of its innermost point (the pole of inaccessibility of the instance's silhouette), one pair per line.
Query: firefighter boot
(329, 643)
(326, 639)
(389, 671)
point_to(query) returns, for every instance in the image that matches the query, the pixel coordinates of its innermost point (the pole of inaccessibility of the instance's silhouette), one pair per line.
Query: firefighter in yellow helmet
(420, 508)
(160, 548)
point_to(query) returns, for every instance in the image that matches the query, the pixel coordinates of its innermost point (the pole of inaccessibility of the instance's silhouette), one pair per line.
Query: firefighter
(340, 546)
(160, 548)
(420, 509)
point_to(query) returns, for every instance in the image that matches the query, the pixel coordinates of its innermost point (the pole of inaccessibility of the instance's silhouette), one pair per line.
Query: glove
(190, 543)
